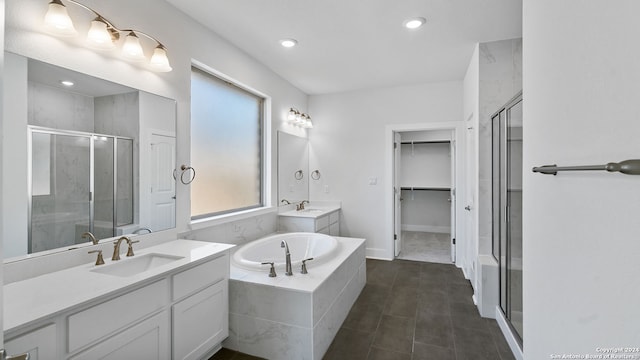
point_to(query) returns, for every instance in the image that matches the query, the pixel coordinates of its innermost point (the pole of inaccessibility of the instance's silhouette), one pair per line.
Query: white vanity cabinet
(41, 344)
(177, 314)
(326, 223)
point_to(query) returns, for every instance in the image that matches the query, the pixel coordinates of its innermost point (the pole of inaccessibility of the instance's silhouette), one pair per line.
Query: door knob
(468, 207)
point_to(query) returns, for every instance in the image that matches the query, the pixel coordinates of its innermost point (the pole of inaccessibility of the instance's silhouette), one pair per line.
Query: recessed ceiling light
(288, 42)
(66, 82)
(414, 23)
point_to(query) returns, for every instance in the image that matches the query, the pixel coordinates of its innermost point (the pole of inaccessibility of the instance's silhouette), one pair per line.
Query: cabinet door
(146, 340)
(334, 229)
(200, 322)
(40, 344)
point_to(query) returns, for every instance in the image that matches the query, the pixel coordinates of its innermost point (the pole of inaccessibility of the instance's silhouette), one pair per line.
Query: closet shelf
(429, 188)
(425, 142)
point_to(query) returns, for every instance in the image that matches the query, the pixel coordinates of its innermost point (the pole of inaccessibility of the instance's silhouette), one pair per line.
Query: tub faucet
(283, 244)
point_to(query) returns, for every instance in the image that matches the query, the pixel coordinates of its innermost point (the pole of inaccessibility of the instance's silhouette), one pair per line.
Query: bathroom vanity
(316, 219)
(169, 301)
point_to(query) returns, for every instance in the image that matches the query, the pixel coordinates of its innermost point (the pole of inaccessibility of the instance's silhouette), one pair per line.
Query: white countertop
(316, 211)
(48, 295)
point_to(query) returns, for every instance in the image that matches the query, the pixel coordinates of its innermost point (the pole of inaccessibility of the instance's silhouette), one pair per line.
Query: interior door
(397, 195)
(163, 186)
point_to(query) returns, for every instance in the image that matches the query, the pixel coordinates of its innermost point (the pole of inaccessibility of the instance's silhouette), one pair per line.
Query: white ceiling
(355, 44)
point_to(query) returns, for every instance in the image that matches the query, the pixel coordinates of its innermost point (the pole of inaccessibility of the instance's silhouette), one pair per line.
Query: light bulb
(288, 42)
(414, 23)
(57, 20)
(99, 37)
(159, 61)
(132, 50)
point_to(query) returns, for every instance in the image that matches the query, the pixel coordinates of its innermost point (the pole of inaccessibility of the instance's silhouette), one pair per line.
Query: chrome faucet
(116, 248)
(301, 205)
(287, 270)
(89, 234)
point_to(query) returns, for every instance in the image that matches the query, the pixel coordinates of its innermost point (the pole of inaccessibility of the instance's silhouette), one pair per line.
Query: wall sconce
(103, 35)
(298, 118)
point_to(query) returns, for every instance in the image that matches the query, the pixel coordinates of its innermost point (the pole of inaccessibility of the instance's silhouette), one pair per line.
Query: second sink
(136, 265)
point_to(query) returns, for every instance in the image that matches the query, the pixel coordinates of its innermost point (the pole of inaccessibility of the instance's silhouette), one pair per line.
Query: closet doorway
(424, 199)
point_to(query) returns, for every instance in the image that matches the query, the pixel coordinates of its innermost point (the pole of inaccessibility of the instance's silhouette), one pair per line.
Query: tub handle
(304, 266)
(272, 271)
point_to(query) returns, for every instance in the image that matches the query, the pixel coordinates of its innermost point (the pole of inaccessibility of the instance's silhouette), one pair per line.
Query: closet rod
(425, 142)
(629, 167)
(426, 188)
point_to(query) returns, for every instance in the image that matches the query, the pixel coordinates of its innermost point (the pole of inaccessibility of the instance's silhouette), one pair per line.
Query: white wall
(347, 145)
(581, 245)
(184, 38)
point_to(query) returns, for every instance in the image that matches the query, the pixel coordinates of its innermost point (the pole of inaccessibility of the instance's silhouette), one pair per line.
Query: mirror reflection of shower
(80, 182)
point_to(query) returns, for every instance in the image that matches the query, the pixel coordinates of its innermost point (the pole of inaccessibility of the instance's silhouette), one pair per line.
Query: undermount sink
(135, 265)
(312, 210)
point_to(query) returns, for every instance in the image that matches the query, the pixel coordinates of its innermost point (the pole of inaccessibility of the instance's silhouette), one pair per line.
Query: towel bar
(628, 167)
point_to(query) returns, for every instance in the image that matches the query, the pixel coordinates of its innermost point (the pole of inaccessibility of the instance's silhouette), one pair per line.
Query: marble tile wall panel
(237, 232)
(326, 294)
(58, 109)
(270, 303)
(500, 80)
(327, 327)
(274, 340)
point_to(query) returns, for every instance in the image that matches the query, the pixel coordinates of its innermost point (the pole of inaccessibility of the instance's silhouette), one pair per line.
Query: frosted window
(226, 146)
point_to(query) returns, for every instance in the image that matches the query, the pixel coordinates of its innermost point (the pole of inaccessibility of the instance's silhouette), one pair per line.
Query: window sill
(226, 218)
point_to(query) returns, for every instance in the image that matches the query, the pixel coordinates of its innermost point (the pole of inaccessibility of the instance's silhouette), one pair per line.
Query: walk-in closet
(425, 175)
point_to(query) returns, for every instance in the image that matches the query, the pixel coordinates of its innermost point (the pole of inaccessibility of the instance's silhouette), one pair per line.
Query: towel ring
(185, 169)
(298, 175)
(315, 175)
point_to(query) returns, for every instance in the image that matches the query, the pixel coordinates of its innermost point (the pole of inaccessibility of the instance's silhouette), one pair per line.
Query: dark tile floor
(412, 311)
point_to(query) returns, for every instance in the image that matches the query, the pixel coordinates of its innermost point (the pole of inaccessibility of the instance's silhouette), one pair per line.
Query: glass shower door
(60, 189)
(507, 209)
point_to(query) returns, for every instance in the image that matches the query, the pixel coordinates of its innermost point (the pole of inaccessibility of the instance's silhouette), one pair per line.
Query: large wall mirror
(293, 168)
(100, 158)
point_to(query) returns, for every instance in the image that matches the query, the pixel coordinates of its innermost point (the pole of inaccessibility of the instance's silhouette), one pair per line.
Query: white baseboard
(508, 335)
(427, 228)
(376, 253)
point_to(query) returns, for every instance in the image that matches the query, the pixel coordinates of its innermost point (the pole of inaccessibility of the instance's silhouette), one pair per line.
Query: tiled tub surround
(295, 317)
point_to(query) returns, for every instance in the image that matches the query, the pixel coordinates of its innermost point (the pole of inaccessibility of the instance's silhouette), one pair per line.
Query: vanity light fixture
(414, 23)
(288, 43)
(301, 119)
(103, 35)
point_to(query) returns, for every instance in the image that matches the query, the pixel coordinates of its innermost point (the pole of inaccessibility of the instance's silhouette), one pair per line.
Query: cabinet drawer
(200, 276)
(41, 344)
(334, 217)
(322, 222)
(200, 322)
(101, 320)
(146, 340)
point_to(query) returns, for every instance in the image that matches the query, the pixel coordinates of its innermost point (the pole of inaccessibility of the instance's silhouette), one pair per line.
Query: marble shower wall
(237, 232)
(118, 115)
(62, 214)
(500, 80)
